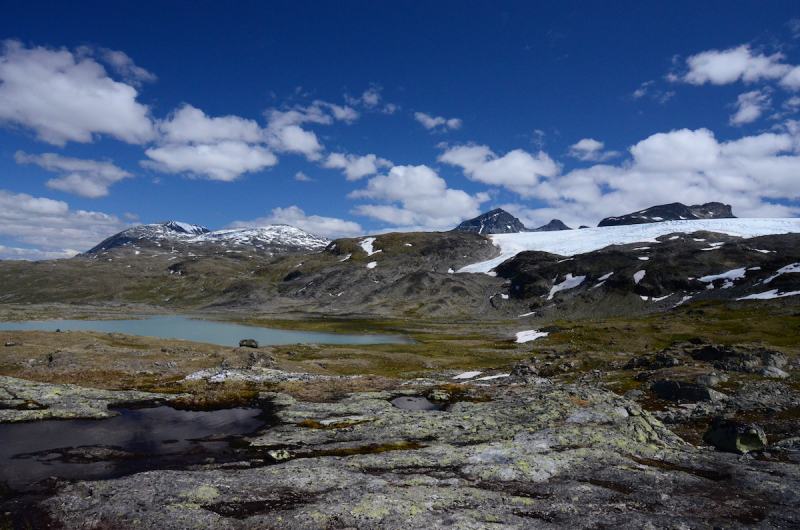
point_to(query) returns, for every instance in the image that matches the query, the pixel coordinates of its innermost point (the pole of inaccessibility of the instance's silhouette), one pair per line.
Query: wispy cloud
(432, 123)
(751, 106)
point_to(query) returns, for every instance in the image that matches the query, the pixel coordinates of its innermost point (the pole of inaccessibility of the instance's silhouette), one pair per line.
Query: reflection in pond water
(137, 440)
(198, 329)
(414, 403)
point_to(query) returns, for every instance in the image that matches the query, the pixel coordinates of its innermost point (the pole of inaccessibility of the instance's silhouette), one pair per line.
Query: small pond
(414, 403)
(137, 440)
(200, 329)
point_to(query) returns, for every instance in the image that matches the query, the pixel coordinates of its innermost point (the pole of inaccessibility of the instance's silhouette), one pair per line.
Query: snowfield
(572, 242)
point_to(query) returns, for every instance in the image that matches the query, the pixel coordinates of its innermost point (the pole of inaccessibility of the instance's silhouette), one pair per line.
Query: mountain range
(672, 212)
(499, 221)
(631, 269)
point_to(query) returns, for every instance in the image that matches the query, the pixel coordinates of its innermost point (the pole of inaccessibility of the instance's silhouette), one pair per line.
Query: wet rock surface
(532, 456)
(22, 400)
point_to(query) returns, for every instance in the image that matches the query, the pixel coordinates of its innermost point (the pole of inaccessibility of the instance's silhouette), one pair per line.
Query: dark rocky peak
(498, 221)
(672, 212)
(553, 226)
(712, 210)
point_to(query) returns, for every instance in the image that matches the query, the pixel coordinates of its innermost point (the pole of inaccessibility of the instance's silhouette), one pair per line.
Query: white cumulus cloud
(188, 124)
(754, 174)
(728, 66)
(416, 197)
(48, 229)
(591, 150)
(224, 161)
(86, 178)
(284, 133)
(322, 226)
(356, 167)
(518, 170)
(65, 97)
(221, 148)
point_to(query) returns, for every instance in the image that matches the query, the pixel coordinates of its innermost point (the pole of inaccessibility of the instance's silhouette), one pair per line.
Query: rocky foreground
(525, 453)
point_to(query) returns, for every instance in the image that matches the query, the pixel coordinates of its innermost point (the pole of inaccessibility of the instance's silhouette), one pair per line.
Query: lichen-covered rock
(552, 457)
(22, 400)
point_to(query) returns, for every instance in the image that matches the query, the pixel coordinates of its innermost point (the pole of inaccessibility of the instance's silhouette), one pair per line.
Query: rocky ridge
(499, 221)
(553, 226)
(672, 212)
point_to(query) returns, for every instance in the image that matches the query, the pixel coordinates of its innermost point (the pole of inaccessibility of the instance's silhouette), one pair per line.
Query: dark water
(197, 329)
(414, 403)
(154, 438)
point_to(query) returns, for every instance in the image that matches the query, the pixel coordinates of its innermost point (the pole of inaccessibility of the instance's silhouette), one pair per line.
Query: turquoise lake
(202, 329)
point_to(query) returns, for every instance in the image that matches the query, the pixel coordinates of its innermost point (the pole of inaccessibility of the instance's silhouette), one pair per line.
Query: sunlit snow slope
(572, 242)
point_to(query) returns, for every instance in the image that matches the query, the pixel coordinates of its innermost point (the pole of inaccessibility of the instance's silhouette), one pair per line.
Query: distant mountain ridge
(553, 226)
(499, 221)
(272, 238)
(672, 212)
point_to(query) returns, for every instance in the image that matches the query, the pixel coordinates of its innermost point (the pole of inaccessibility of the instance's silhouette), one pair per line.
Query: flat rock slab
(560, 456)
(22, 400)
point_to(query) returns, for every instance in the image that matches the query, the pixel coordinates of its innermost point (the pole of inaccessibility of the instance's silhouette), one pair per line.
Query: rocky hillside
(656, 276)
(672, 212)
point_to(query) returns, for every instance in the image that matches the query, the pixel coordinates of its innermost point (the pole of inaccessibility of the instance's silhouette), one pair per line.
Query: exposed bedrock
(534, 456)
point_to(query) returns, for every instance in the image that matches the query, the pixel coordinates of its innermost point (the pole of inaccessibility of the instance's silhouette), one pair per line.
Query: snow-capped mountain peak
(272, 238)
(185, 228)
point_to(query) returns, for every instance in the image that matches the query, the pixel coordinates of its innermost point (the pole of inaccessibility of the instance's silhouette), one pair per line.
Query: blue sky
(348, 118)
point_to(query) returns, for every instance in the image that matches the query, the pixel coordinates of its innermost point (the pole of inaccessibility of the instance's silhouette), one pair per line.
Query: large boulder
(734, 436)
(248, 343)
(684, 391)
